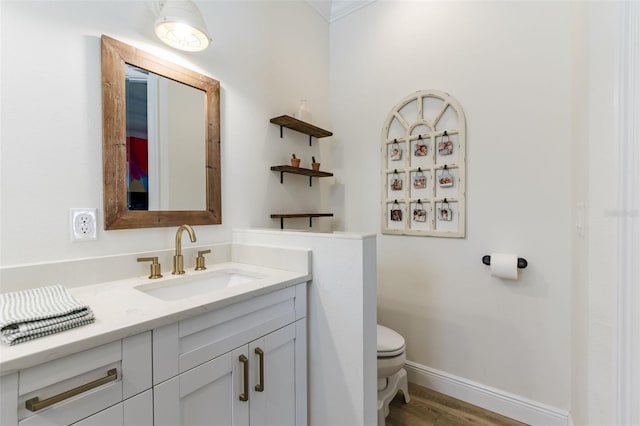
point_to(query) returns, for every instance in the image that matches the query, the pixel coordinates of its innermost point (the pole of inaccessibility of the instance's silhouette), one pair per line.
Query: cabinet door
(273, 399)
(135, 411)
(138, 410)
(112, 416)
(205, 395)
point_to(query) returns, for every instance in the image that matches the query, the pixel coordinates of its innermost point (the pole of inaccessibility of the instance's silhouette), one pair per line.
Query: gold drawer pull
(260, 386)
(34, 404)
(244, 396)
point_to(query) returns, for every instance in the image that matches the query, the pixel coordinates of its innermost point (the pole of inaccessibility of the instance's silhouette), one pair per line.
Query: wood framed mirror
(152, 175)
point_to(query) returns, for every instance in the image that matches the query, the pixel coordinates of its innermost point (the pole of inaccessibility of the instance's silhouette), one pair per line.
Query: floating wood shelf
(282, 217)
(300, 126)
(313, 131)
(299, 171)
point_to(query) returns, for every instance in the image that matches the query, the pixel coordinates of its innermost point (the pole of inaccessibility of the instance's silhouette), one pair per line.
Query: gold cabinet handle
(244, 396)
(34, 404)
(260, 386)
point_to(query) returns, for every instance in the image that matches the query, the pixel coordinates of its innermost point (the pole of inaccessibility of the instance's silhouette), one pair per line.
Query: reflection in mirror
(161, 141)
(165, 143)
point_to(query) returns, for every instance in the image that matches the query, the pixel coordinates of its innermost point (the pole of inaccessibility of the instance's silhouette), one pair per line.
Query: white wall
(580, 200)
(509, 65)
(601, 242)
(267, 56)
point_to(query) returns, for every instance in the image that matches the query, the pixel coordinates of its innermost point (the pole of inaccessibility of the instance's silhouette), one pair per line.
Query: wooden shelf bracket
(282, 217)
(299, 171)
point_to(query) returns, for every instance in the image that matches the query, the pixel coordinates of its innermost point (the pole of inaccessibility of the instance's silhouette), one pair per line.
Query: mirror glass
(161, 141)
(166, 124)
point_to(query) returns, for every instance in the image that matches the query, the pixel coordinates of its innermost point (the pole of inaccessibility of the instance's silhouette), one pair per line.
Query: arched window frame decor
(423, 193)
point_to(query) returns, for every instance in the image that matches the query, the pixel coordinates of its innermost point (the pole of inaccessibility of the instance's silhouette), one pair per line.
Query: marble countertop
(121, 311)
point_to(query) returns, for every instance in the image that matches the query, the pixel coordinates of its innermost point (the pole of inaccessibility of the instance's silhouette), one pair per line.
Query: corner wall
(514, 83)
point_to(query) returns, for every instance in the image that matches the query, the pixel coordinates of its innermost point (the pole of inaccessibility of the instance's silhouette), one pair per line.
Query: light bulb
(181, 25)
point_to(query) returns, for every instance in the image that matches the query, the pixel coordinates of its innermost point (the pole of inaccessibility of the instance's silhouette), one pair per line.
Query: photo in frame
(396, 182)
(421, 149)
(395, 215)
(395, 152)
(445, 146)
(419, 181)
(444, 212)
(419, 213)
(445, 179)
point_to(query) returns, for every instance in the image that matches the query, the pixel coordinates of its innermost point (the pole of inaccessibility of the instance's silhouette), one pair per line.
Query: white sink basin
(194, 285)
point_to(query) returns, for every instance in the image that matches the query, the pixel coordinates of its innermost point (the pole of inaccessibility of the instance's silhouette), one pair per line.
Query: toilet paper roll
(504, 265)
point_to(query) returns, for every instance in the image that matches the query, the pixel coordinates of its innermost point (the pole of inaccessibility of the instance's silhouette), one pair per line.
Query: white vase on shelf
(303, 112)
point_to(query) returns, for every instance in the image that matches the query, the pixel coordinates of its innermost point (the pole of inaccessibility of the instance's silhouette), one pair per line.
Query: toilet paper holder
(522, 263)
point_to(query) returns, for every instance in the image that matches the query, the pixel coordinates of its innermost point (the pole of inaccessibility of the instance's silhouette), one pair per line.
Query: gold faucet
(178, 266)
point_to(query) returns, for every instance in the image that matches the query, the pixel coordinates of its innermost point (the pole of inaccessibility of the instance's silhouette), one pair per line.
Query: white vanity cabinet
(244, 364)
(103, 385)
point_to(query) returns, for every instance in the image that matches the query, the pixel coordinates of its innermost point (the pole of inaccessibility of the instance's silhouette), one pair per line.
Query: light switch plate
(84, 224)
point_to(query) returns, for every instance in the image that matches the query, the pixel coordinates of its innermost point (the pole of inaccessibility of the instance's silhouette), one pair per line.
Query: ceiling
(332, 10)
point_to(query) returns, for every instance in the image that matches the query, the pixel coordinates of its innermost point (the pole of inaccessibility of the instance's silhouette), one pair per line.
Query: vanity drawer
(184, 345)
(66, 390)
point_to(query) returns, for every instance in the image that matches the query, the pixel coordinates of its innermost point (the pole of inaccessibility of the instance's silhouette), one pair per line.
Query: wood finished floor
(428, 407)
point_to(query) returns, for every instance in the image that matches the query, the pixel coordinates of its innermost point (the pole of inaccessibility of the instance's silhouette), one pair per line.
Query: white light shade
(181, 25)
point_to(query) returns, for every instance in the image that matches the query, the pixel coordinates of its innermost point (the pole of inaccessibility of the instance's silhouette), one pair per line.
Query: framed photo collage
(423, 167)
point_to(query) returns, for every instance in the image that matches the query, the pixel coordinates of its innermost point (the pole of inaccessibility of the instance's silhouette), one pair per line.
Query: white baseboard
(507, 404)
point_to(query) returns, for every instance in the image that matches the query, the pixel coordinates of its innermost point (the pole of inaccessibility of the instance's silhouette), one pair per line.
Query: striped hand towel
(29, 314)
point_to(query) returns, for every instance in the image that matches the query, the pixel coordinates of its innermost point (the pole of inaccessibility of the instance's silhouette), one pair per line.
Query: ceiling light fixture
(181, 25)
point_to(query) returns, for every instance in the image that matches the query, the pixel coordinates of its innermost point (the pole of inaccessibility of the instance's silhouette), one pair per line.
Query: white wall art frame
(423, 166)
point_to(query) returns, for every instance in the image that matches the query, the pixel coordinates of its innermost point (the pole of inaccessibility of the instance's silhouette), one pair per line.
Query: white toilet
(392, 377)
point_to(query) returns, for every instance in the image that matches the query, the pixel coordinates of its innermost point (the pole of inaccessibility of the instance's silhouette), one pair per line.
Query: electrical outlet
(83, 224)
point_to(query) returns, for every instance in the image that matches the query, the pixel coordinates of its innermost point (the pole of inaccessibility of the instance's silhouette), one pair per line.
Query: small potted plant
(315, 166)
(295, 162)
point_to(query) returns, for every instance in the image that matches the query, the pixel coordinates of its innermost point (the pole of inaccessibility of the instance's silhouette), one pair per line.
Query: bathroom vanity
(156, 356)
(135, 333)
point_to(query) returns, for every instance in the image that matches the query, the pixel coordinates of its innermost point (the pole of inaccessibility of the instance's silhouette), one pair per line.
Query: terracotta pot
(295, 162)
(315, 166)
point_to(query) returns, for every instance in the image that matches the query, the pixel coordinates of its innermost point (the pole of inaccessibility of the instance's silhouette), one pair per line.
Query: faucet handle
(200, 260)
(155, 267)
